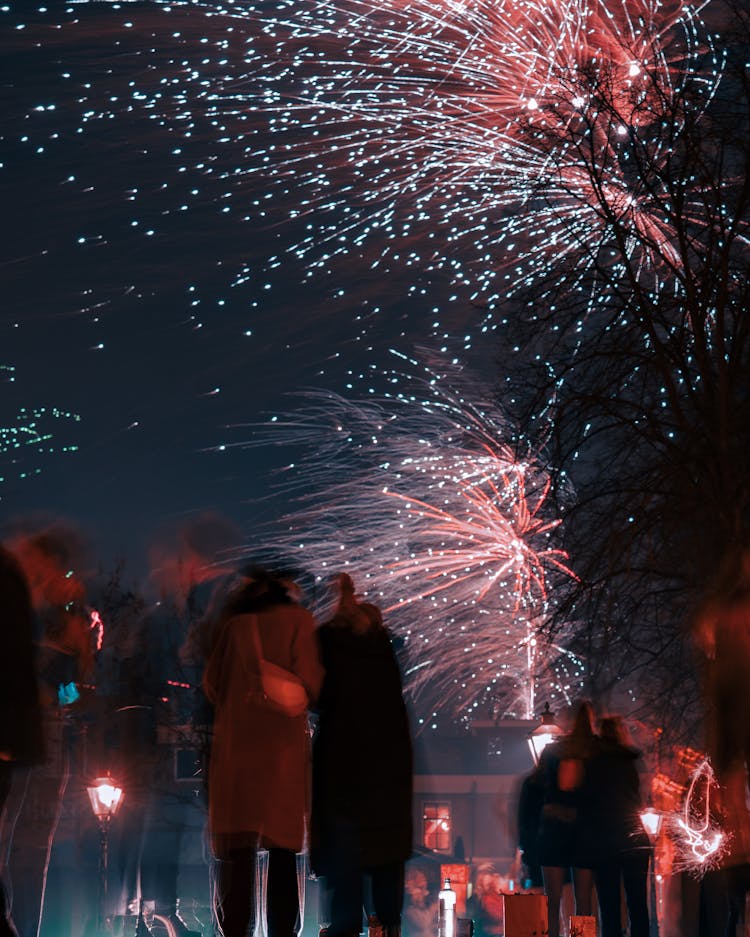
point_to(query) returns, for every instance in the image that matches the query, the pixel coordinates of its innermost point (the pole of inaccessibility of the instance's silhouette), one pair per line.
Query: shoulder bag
(274, 687)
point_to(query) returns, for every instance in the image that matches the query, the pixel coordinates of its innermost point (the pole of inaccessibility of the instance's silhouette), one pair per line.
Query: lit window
(437, 826)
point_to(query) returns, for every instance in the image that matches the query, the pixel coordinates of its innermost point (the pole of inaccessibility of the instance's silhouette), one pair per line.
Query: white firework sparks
(421, 499)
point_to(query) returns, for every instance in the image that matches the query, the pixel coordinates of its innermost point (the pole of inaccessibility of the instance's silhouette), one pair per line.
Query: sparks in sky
(418, 495)
(501, 142)
(32, 437)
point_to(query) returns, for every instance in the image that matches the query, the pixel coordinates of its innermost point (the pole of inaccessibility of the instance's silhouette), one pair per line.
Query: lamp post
(547, 731)
(652, 820)
(105, 797)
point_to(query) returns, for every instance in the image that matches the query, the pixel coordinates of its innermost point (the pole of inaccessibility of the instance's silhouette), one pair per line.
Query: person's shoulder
(300, 615)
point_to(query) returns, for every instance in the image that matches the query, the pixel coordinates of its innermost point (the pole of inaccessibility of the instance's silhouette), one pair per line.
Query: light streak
(508, 143)
(97, 626)
(701, 840)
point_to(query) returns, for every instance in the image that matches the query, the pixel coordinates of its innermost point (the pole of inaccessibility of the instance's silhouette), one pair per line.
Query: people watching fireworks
(361, 824)
(259, 763)
(566, 835)
(623, 848)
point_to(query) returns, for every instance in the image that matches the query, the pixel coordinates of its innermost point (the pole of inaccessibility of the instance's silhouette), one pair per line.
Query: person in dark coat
(258, 794)
(530, 804)
(63, 660)
(566, 835)
(362, 769)
(622, 843)
(21, 735)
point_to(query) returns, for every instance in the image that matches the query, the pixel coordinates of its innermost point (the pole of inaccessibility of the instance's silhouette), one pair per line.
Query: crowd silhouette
(305, 739)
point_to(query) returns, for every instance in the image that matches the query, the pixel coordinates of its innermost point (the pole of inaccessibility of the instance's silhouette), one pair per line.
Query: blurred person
(530, 804)
(566, 835)
(487, 902)
(722, 631)
(21, 739)
(64, 661)
(420, 911)
(361, 826)
(259, 761)
(622, 845)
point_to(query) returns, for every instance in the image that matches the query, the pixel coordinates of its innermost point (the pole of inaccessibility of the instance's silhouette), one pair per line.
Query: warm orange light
(105, 797)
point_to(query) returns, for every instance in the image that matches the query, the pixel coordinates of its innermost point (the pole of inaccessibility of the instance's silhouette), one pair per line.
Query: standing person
(488, 909)
(259, 762)
(64, 659)
(530, 804)
(622, 844)
(722, 631)
(20, 710)
(566, 836)
(362, 769)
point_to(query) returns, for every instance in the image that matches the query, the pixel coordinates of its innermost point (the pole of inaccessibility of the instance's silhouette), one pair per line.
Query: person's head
(416, 886)
(488, 879)
(360, 616)
(583, 721)
(257, 590)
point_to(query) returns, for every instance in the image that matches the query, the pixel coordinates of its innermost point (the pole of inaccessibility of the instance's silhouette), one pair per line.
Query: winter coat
(616, 800)
(259, 766)
(530, 804)
(567, 837)
(362, 754)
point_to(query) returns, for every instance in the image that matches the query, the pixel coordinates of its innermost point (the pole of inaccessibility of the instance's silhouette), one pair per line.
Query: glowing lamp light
(651, 820)
(547, 731)
(532, 104)
(105, 797)
(634, 70)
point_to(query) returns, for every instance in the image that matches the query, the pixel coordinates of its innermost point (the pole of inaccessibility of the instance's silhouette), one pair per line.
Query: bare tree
(633, 348)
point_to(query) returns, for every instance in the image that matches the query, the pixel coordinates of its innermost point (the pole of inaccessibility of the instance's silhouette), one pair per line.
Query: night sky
(147, 296)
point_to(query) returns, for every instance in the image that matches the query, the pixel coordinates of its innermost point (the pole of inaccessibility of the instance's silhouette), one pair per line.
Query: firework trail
(418, 496)
(506, 127)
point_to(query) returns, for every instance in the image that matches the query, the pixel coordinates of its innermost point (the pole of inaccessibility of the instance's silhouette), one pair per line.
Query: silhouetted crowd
(263, 667)
(258, 667)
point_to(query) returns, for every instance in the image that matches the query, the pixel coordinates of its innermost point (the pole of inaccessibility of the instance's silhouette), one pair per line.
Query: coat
(362, 754)
(616, 801)
(258, 780)
(567, 837)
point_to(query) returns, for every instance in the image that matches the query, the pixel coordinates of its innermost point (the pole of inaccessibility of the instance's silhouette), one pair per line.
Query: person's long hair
(258, 590)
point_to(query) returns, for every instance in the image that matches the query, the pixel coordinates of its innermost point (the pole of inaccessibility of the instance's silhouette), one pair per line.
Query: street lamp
(547, 731)
(105, 797)
(652, 820)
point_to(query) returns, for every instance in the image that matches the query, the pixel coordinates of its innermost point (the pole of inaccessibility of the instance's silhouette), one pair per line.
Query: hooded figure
(362, 768)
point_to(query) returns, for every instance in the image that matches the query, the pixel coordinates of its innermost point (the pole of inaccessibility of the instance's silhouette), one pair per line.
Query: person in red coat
(361, 826)
(259, 765)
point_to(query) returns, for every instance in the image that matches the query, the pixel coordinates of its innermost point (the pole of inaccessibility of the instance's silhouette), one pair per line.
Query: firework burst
(419, 497)
(500, 131)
